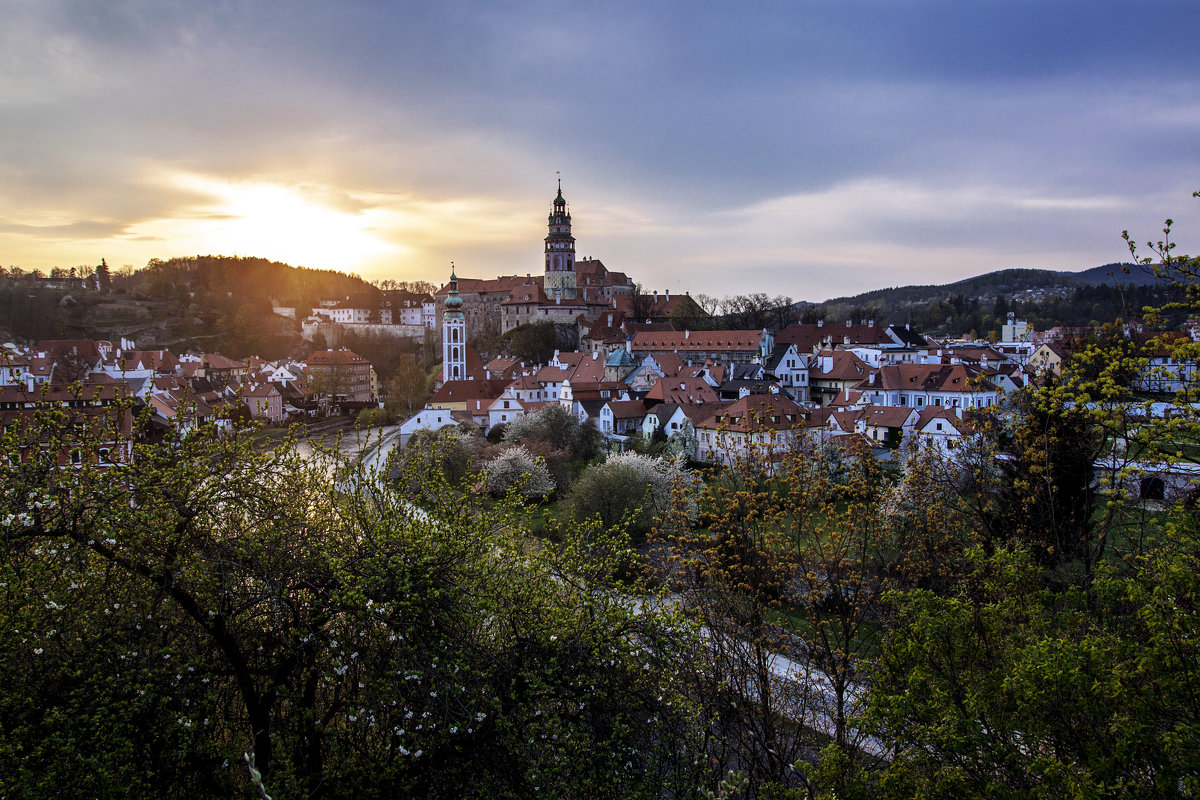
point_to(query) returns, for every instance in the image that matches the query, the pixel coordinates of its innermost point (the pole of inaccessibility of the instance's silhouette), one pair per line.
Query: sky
(809, 148)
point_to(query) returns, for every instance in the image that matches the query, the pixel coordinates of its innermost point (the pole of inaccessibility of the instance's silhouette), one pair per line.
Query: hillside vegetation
(203, 302)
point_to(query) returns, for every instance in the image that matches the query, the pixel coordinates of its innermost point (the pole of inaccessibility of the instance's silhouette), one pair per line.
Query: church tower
(454, 335)
(560, 252)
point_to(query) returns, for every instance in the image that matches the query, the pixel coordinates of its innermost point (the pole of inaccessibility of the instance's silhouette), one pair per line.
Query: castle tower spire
(560, 251)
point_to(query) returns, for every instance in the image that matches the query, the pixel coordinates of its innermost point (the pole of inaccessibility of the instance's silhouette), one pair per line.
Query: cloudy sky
(805, 147)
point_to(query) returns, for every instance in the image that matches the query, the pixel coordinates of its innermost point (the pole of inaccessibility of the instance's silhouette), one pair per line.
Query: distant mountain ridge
(1004, 282)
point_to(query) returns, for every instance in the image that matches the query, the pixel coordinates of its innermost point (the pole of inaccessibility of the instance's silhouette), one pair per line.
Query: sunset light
(279, 222)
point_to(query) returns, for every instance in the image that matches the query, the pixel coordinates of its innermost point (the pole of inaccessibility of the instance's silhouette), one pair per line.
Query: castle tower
(454, 335)
(560, 252)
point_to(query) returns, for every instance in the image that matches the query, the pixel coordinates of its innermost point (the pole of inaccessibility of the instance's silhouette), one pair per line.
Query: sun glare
(284, 223)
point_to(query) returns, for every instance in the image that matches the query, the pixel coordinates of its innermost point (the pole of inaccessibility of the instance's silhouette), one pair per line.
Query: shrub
(516, 469)
(626, 487)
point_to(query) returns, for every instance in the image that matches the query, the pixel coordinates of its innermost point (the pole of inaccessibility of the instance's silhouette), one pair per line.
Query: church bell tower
(454, 335)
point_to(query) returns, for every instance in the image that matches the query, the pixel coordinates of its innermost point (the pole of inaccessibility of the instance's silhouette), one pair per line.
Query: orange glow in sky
(282, 223)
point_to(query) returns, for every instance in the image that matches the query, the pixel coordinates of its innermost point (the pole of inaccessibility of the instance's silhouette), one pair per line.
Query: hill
(205, 302)
(980, 304)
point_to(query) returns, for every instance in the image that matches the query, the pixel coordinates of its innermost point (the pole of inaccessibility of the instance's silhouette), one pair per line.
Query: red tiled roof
(335, 357)
(758, 412)
(466, 391)
(696, 341)
(926, 377)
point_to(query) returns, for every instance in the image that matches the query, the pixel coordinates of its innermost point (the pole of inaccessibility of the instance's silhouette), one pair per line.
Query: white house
(921, 385)
(505, 408)
(790, 367)
(433, 419)
(939, 427)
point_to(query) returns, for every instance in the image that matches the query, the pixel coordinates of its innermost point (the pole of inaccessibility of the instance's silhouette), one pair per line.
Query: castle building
(567, 291)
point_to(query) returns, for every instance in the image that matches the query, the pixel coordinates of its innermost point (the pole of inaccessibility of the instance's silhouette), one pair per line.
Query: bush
(516, 469)
(446, 450)
(628, 488)
(372, 417)
(554, 425)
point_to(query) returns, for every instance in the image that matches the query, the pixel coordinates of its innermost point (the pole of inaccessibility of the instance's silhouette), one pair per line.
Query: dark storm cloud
(1064, 122)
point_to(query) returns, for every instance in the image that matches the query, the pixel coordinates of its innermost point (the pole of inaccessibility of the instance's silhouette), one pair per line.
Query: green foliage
(535, 343)
(373, 417)
(558, 428)
(1012, 689)
(446, 452)
(407, 387)
(207, 600)
(103, 277)
(627, 489)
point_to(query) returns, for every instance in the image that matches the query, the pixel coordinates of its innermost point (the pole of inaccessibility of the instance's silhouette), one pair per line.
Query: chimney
(687, 334)
(848, 322)
(820, 323)
(668, 295)
(656, 297)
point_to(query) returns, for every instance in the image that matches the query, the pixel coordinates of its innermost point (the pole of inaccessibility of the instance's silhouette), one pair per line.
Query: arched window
(1152, 488)
(454, 353)
(455, 375)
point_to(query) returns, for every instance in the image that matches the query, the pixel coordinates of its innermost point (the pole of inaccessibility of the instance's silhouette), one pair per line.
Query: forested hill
(1006, 282)
(198, 302)
(217, 281)
(979, 305)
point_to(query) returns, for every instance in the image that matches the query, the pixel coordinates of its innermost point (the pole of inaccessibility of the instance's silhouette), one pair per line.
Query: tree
(536, 342)
(103, 278)
(783, 569)
(408, 389)
(515, 470)
(626, 489)
(557, 427)
(210, 599)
